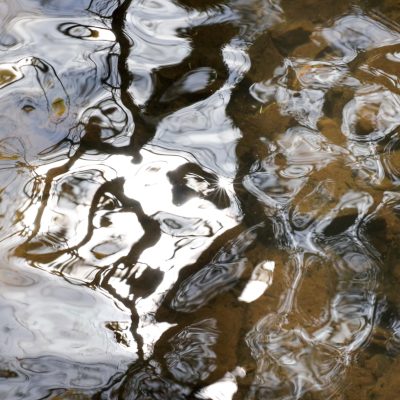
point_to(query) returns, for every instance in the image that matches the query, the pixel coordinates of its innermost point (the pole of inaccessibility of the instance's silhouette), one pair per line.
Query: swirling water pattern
(199, 199)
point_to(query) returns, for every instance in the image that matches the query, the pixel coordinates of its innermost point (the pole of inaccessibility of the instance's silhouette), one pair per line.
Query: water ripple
(199, 199)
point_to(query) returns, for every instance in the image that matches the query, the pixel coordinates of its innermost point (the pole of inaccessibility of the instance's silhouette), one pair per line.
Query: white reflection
(50, 317)
(205, 131)
(372, 114)
(151, 332)
(260, 281)
(356, 32)
(224, 389)
(153, 27)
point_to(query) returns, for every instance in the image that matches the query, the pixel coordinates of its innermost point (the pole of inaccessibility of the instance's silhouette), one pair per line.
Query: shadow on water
(199, 200)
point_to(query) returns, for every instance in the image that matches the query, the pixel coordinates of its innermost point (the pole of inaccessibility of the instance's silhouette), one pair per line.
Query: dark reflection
(104, 126)
(83, 32)
(190, 180)
(220, 275)
(148, 383)
(192, 358)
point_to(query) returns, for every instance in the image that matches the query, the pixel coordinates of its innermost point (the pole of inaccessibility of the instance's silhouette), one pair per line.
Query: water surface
(199, 199)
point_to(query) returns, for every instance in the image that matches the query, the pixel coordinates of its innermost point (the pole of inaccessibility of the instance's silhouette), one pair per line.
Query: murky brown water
(199, 199)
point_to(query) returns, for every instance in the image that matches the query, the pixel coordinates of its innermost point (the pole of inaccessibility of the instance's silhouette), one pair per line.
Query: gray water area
(199, 199)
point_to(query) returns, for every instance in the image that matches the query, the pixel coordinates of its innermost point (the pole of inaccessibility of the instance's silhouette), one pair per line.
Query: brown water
(199, 199)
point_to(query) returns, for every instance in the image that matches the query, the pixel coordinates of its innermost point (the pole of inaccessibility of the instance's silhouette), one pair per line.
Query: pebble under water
(199, 199)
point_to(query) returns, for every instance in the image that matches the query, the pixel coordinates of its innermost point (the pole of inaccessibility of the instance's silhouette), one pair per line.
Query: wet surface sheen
(199, 199)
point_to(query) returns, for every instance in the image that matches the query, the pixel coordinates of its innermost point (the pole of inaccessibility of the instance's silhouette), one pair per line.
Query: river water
(199, 199)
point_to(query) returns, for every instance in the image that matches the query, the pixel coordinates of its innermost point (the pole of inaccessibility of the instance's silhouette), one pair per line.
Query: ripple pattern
(199, 199)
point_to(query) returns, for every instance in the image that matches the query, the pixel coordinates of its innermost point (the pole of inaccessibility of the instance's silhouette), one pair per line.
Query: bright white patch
(252, 291)
(150, 334)
(260, 281)
(225, 184)
(224, 389)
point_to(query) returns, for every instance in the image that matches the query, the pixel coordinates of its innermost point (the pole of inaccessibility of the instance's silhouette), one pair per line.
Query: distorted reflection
(198, 200)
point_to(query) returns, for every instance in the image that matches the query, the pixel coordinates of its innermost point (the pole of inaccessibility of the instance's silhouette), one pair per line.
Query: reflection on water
(199, 200)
